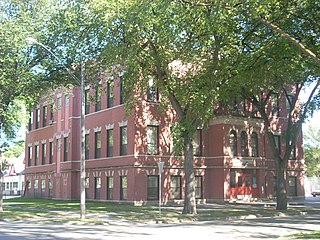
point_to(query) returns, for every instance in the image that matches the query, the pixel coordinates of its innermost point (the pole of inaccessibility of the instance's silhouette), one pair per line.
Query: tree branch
(287, 36)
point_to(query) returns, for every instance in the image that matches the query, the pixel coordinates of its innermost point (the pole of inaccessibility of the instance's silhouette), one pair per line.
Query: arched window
(254, 145)
(233, 143)
(244, 144)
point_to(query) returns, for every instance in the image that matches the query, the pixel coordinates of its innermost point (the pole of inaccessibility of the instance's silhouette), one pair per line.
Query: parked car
(315, 193)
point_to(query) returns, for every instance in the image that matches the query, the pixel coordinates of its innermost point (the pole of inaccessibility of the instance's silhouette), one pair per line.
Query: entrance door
(241, 184)
(244, 186)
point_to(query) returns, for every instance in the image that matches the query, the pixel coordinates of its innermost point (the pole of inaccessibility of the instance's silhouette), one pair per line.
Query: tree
(15, 150)
(172, 44)
(278, 52)
(195, 52)
(21, 77)
(312, 152)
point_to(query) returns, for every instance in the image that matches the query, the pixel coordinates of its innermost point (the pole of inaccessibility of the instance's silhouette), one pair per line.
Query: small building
(233, 159)
(13, 179)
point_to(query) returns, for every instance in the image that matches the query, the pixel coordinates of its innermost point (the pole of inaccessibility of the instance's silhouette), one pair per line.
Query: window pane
(44, 153)
(232, 179)
(44, 115)
(110, 93)
(97, 187)
(153, 190)
(109, 142)
(87, 101)
(175, 186)
(152, 140)
(65, 146)
(98, 97)
(124, 141)
(97, 144)
(36, 157)
(233, 143)
(254, 144)
(123, 187)
(198, 187)
(109, 188)
(244, 144)
(87, 145)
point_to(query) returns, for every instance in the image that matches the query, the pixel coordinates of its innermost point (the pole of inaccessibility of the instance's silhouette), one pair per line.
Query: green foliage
(312, 152)
(15, 150)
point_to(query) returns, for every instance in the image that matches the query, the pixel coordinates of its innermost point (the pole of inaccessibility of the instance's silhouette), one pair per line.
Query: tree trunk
(281, 170)
(189, 198)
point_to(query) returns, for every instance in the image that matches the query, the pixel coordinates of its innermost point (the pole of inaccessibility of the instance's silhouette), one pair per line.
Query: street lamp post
(31, 40)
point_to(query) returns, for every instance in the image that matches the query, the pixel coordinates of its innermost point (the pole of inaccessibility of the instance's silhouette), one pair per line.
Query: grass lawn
(313, 235)
(30, 209)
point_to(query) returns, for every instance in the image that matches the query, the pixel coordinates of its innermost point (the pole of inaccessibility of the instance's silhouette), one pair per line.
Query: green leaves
(312, 152)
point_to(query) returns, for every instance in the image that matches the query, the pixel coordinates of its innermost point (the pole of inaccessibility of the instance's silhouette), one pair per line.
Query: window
(198, 187)
(293, 153)
(36, 157)
(44, 153)
(109, 188)
(197, 143)
(152, 140)
(43, 184)
(233, 143)
(244, 144)
(153, 94)
(123, 187)
(65, 149)
(121, 91)
(66, 99)
(175, 187)
(97, 187)
(37, 118)
(123, 140)
(36, 184)
(110, 93)
(59, 103)
(50, 184)
(44, 115)
(254, 179)
(277, 142)
(254, 144)
(153, 187)
(58, 144)
(97, 143)
(87, 101)
(232, 179)
(98, 98)
(50, 152)
(29, 156)
(289, 102)
(51, 114)
(30, 120)
(87, 186)
(109, 142)
(87, 146)
(274, 105)
(292, 186)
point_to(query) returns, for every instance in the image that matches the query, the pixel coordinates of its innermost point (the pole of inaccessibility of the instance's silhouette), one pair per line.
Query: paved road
(266, 228)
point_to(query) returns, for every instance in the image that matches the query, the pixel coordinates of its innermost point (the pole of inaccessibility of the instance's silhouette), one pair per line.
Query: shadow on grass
(66, 211)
